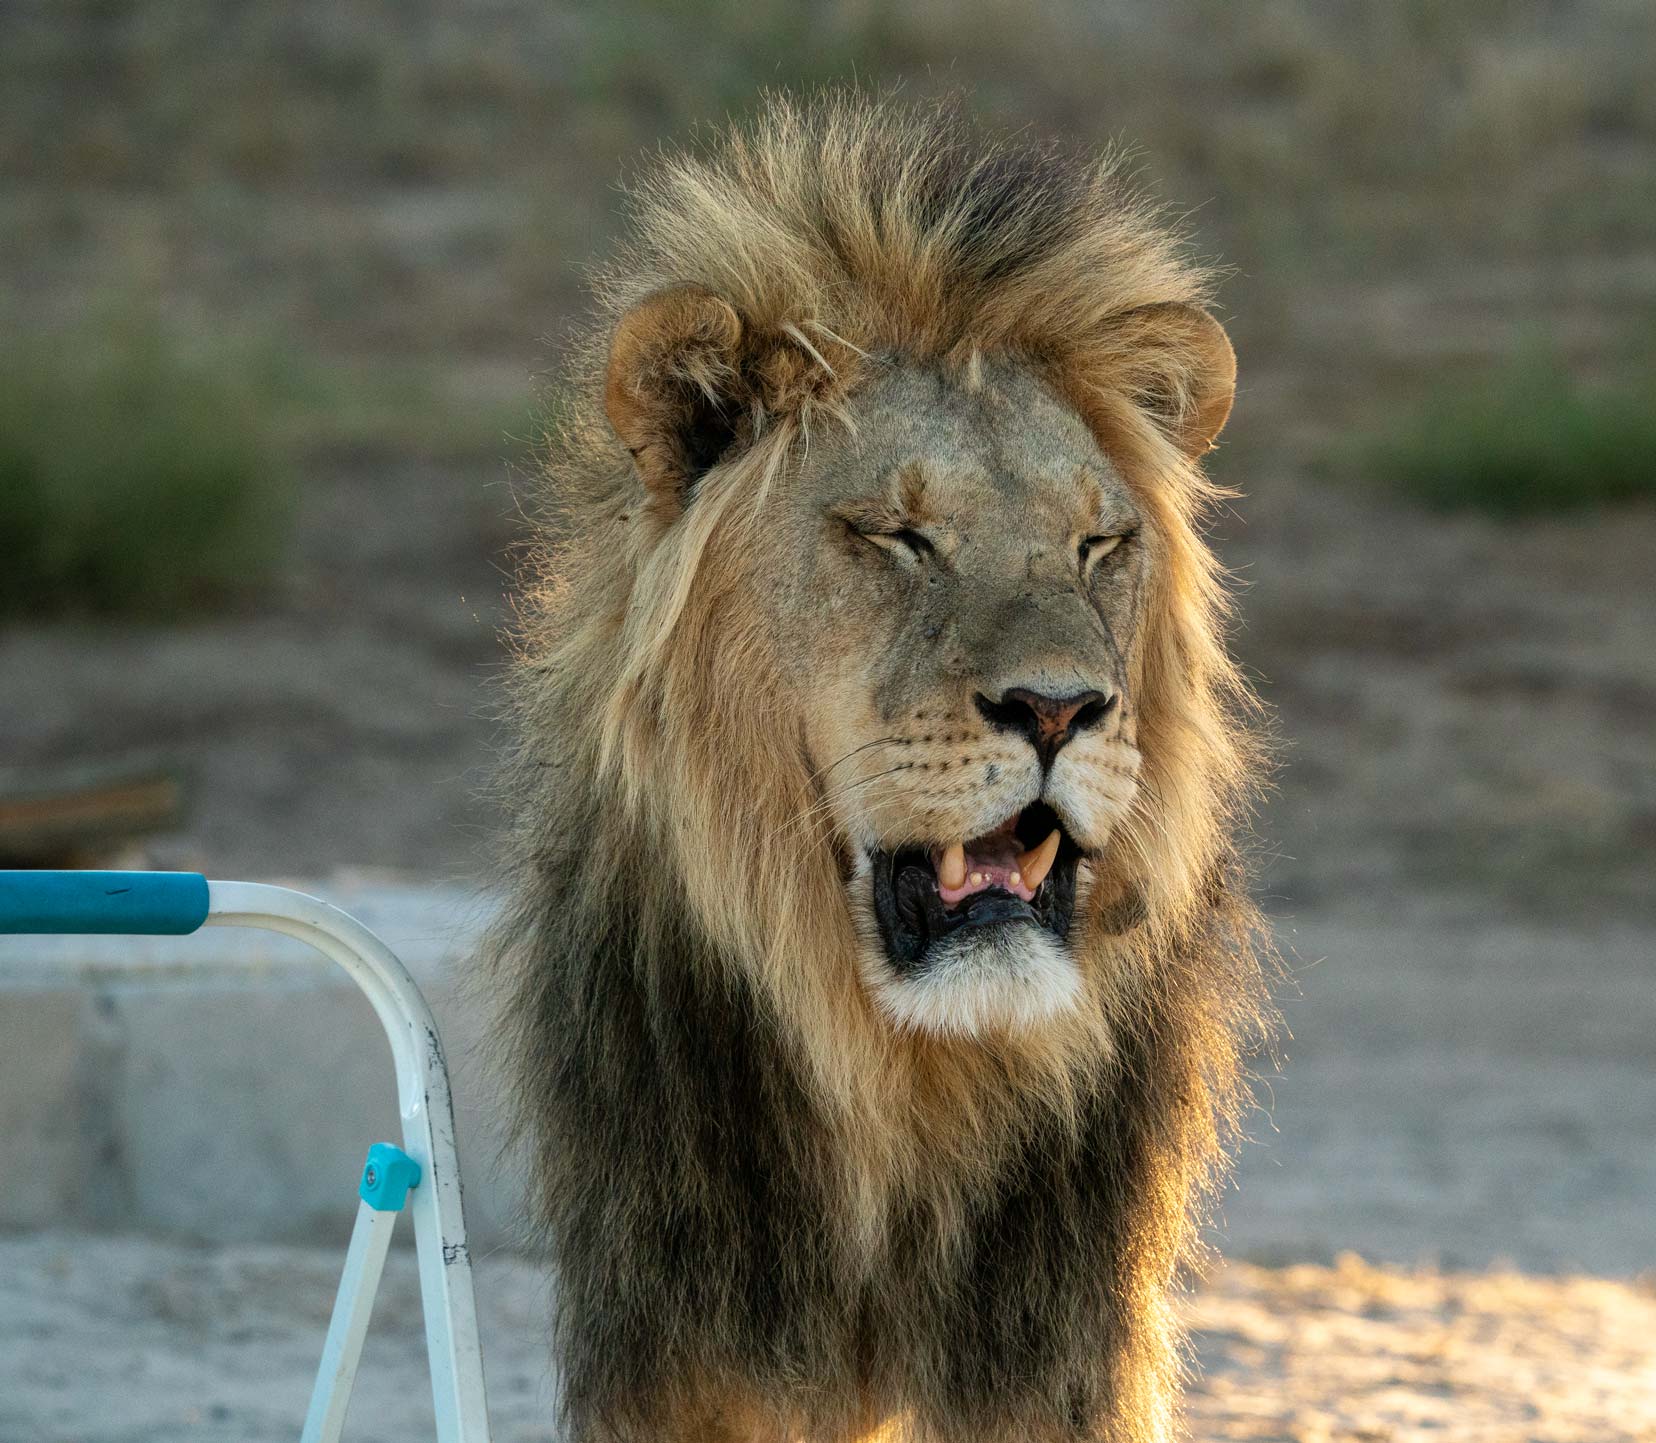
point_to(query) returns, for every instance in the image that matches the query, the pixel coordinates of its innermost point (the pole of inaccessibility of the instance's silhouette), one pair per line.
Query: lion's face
(934, 599)
(959, 616)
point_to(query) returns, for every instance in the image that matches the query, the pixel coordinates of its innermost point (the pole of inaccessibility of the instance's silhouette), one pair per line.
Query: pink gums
(993, 860)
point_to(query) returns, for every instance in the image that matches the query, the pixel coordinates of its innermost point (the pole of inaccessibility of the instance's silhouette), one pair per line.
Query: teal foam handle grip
(154, 904)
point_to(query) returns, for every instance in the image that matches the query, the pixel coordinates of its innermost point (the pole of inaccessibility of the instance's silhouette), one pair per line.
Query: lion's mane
(761, 1201)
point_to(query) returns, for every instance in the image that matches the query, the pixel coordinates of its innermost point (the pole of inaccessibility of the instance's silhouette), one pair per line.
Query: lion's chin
(1006, 977)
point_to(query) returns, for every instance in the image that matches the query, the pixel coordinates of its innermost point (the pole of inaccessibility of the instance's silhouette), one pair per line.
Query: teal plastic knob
(387, 1176)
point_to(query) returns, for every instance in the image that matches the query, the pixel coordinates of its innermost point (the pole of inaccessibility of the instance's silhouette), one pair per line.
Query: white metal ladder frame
(424, 1173)
(427, 1109)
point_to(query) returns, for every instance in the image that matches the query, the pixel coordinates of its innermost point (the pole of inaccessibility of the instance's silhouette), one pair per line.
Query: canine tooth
(951, 871)
(1037, 862)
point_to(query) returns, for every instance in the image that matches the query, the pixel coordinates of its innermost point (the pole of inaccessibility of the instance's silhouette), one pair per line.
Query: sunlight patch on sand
(1354, 1352)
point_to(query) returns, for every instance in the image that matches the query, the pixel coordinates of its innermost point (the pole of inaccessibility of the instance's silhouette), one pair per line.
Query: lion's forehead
(982, 442)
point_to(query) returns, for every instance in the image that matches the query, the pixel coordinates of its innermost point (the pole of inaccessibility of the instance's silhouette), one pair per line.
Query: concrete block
(144, 1080)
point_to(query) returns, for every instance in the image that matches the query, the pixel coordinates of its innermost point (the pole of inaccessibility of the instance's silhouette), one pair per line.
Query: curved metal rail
(177, 903)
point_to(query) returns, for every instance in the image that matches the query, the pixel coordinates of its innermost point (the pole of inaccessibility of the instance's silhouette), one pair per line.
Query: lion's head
(878, 762)
(885, 600)
(939, 621)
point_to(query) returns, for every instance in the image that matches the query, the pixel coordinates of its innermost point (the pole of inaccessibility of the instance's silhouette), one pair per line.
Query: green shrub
(1523, 440)
(132, 479)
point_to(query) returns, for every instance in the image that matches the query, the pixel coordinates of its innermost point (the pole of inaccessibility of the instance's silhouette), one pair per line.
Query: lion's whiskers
(790, 827)
(858, 751)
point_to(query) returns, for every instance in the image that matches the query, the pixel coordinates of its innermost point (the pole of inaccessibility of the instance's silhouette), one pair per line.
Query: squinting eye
(1096, 548)
(897, 542)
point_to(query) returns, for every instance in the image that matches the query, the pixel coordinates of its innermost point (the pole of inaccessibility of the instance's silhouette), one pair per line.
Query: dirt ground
(125, 1341)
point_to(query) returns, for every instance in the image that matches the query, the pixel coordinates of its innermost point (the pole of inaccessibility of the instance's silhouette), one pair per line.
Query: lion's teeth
(1034, 864)
(951, 871)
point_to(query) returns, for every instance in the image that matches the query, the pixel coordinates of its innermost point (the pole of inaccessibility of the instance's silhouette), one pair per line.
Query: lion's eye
(1094, 549)
(905, 542)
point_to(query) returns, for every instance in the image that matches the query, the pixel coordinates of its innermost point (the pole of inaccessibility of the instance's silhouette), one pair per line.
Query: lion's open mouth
(1022, 872)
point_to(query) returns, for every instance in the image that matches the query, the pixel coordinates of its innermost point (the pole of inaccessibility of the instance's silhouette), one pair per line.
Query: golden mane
(845, 233)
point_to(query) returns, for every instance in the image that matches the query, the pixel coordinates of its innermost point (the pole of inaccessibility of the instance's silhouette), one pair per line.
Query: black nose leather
(1049, 722)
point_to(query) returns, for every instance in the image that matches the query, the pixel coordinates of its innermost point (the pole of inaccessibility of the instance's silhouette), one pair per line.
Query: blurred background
(280, 286)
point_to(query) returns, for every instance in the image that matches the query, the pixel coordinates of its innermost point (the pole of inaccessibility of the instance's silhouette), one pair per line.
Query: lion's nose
(1047, 721)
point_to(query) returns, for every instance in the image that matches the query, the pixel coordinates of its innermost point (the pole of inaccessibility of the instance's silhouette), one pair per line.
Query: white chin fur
(977, 981)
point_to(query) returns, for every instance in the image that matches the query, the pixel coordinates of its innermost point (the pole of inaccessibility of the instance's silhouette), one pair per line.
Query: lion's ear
(672, 389)
(1185, 371)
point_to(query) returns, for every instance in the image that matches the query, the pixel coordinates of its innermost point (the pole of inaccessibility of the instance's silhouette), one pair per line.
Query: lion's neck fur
(700, 1106)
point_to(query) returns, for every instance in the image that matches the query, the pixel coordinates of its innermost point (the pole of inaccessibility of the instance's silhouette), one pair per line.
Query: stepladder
(419, 1175)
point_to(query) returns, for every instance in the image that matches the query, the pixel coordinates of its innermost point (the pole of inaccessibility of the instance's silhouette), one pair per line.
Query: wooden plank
(53, 813)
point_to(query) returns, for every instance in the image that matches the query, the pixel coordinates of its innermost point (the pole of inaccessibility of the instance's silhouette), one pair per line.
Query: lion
(877, 974)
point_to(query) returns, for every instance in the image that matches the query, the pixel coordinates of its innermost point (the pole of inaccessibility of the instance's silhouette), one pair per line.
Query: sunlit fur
(771, 1212)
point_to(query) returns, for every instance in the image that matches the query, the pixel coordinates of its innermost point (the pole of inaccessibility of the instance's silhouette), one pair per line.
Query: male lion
(875, 975)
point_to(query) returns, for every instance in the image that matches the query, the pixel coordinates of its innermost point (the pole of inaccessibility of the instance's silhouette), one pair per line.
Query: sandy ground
(1314, 1355)
(124, 1341)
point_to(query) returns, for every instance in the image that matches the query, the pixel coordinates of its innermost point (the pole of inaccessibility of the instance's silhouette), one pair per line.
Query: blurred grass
(399, 408)
(132, 478)
(140, 475)
(1526, 438)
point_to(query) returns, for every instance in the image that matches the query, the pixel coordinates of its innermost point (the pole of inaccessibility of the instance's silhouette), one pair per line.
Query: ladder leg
(364, 1261)
(386, 1178)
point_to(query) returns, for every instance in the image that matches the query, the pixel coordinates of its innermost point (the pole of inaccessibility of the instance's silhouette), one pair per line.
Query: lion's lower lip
(912, 914)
